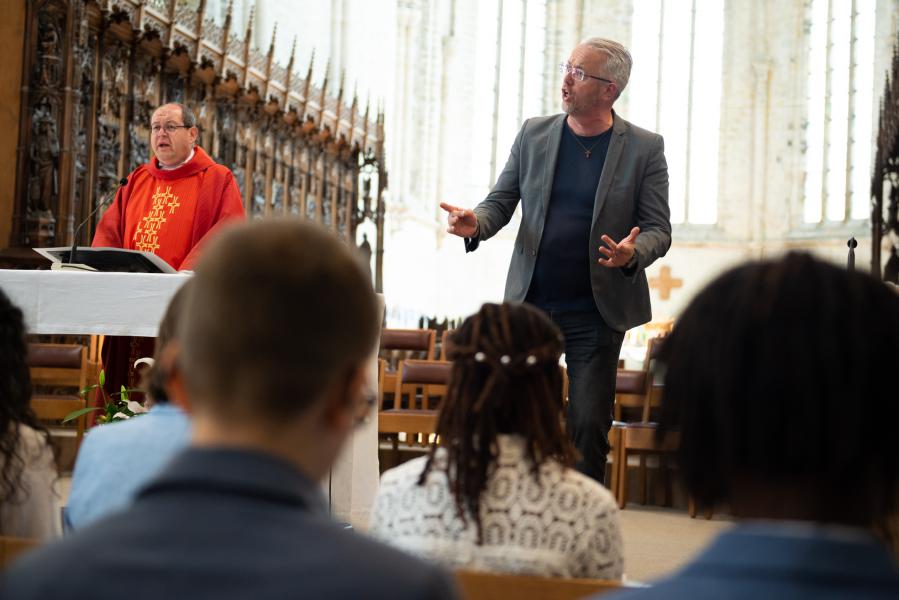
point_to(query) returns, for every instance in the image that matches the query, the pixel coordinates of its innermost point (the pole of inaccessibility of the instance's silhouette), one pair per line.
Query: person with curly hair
(498, 491)
(780, 379)
(28, 503)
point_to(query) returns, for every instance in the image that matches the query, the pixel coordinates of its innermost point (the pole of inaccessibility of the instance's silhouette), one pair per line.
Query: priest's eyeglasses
(578, 73)
(168, 127)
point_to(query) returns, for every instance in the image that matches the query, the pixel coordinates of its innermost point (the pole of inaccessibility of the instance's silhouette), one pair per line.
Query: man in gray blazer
(585, 179)
(273, 363)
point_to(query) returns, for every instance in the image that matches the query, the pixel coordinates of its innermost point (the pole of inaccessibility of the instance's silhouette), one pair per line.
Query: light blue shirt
(117, 459)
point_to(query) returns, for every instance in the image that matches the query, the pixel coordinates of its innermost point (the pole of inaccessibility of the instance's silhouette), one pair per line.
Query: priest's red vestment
(171, 213)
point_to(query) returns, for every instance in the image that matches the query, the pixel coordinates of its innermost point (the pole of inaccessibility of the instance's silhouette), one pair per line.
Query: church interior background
(769, 110)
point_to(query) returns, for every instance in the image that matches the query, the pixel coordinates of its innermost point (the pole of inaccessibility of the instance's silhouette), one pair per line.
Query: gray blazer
(633, 191)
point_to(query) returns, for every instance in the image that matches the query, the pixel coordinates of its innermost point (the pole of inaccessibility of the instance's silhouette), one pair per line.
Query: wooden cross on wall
(665, 283)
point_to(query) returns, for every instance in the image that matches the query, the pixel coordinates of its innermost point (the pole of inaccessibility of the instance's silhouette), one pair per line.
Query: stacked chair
(397, 345)
(411, 385)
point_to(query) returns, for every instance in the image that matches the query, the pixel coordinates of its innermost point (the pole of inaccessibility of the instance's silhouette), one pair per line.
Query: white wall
(428, 63)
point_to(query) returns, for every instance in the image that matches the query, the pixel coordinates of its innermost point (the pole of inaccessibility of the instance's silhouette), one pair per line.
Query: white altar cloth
(79, 303)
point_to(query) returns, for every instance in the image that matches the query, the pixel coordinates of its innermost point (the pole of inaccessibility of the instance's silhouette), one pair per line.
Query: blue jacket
(115, 460)
(774, 562)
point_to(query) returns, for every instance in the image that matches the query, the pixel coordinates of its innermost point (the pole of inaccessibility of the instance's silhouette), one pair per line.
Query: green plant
(116, 407)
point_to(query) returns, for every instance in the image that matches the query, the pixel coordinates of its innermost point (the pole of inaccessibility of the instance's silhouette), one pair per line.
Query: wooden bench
(476, 585)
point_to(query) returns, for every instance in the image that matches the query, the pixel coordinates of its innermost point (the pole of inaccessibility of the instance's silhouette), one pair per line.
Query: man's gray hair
(617, 66)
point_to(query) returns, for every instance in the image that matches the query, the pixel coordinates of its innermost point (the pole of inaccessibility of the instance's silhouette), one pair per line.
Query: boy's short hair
(279, 311)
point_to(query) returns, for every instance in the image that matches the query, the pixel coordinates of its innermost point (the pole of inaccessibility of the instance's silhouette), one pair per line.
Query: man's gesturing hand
(618, 255)
(460, 221)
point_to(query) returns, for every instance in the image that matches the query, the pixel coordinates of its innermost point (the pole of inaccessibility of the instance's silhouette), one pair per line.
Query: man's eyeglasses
(168, 127)
(578, 73)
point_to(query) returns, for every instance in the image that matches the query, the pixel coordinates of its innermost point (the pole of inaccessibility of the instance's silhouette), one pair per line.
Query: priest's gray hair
(187, 115)
(617, 66)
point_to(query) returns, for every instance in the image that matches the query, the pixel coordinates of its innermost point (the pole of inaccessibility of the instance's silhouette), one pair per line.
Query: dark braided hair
(505, 379)
(15, 397)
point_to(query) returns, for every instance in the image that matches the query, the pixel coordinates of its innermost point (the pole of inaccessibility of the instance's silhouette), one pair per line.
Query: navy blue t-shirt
(561, 280)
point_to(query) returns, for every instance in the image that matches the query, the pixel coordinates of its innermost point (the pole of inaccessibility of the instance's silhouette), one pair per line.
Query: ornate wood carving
(94, 70)
(886, 175)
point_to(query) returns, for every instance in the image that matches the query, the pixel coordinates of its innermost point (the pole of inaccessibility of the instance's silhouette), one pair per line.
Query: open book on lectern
(110, 260)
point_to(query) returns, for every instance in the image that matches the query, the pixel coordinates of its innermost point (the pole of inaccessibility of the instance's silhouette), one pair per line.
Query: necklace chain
(587, 151)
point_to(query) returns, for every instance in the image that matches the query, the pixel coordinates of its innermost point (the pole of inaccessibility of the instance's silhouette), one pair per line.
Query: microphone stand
(109, 196)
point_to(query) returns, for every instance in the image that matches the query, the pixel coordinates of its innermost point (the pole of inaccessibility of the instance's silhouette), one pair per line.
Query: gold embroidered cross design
(146, 235)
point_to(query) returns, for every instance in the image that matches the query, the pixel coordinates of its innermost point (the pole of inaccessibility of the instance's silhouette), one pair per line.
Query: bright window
(839, 130)
(675, 90)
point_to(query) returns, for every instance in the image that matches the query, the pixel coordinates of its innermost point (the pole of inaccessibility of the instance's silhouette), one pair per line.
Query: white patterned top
(564, 525)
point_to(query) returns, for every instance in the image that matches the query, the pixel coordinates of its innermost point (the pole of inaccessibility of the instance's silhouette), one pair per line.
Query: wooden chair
(630, 392)
(639, 438)
(13, 547)
(420, 381)
(59, 366)
(476, 585)
(398, 344)
(638, 389)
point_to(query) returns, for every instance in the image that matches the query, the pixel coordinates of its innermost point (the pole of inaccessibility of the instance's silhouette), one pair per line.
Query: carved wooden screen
(886, 174)
(93, 73)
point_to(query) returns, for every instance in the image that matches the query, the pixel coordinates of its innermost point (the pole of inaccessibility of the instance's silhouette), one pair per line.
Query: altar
(84, 303)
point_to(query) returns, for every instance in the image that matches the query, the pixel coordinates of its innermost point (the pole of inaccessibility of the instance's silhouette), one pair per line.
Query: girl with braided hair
(28, 505)
(498, 491)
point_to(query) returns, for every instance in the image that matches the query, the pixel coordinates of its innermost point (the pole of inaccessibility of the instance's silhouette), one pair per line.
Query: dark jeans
(591, 352)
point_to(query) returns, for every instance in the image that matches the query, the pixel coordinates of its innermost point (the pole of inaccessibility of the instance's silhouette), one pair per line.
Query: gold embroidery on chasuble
(146, 235)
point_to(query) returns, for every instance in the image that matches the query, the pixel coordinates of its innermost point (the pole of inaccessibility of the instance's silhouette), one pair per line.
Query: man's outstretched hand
(460, 221)
(618, 255)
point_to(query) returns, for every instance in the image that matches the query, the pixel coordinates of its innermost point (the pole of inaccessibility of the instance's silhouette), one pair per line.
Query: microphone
(109, 196)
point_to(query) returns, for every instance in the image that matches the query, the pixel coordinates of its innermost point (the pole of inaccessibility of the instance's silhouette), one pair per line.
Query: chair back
(421, 381)
(55, 366)
(412, 340)
(640, 389)
(630, 391)
(13, 547)
(476, 585)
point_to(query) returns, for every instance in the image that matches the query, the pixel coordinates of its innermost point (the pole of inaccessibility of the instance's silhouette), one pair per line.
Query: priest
(170, 206)
(173, 203)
